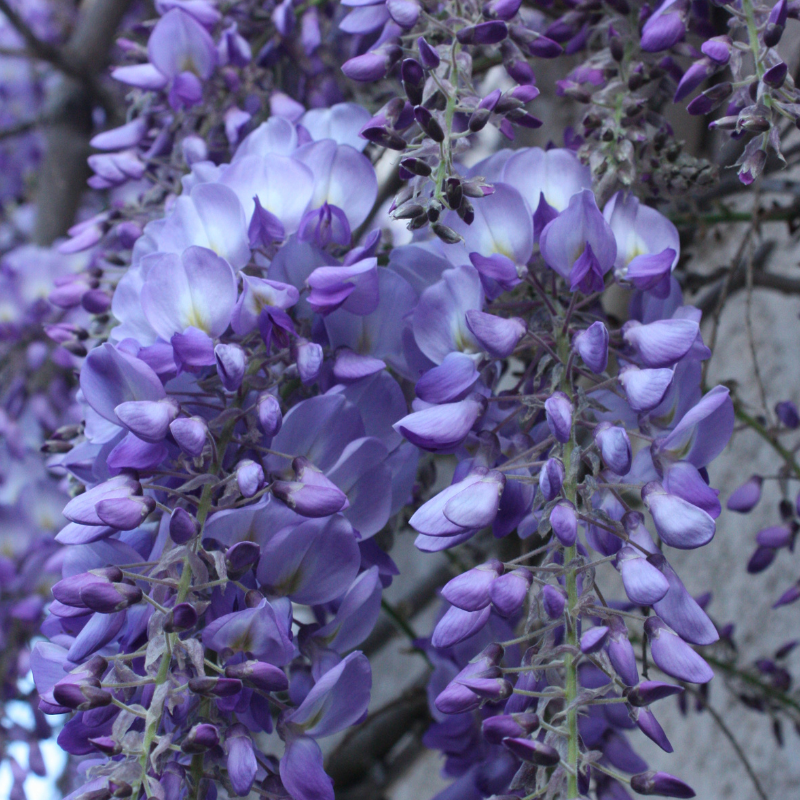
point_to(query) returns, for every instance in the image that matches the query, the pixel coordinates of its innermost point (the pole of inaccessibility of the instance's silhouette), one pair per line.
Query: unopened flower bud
(200, 738)
(190, 434)
(269, 414)
(429, 123)
(413, 77)
(180, 618)
(483, 33)
(249, 477)
(231, 365)
(660, 783)
(445, 233)
(539, 753)
(182, 526)
(241, 558)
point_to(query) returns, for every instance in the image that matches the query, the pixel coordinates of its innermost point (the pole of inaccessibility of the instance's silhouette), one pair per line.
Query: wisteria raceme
(244, 363)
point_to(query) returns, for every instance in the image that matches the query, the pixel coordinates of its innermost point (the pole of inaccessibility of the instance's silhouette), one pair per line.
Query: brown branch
(38, 48)
(63, 174)
(20, 128)
(372, 741)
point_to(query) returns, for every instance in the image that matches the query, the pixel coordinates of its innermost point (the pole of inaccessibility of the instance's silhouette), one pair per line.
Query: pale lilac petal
(302, 771)
(679, 523)
(457, 625)
(661, 343)
(197, 289)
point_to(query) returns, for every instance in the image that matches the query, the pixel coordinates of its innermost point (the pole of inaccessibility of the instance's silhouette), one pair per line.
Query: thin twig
(726, 732)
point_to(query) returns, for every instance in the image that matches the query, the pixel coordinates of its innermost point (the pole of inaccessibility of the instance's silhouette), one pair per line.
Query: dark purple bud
(519, 70)
(83, 696)
(200, 738)
(215, 687)
(594, 639)
(755, 158)
(106, 744)
(648, 692)
(522, 118)
(508, 592)
(791, 595)
(428, 123)
(413, 77)
(70, 693)
(718, 49)
(551, 479)
(467, 212)
(445, 233)
(259, 674)
(453, 193)
(710, 99)
(416, 166)
(501, 9)
(182, 526)
(483, 33)
(182, 617)
(542, 47)
(374, 65)
(231, 365)
(787, 414)
(564, 523)
(120, 789)
(478, 119)
(693, 77)
(492, 689)
(190, 434)
(241, 558)
(773, 77)
(660, 783)
(108, 598)
(125, 513)
(539, 753)
(558, 411)
(409, 211)
(776, 22)
(505, 726)
(470, 590)
(269, 414)
(650, 727)
(554, 600)
(762, 557)
(427, 55)
(615, 447)
(98, 301)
